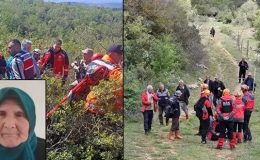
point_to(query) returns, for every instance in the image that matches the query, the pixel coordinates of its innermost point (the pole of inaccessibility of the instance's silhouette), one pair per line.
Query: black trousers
(226, 125)
(238, 126)
(204, 127)
(161, 110)
(148, 118)
(242, 73)
(175, 124)
(246, 129)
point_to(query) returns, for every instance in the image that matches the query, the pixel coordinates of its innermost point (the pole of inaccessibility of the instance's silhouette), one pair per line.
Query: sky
(87, 1)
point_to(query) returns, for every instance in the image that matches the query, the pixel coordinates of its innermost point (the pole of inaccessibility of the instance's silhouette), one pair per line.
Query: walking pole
(254, 81)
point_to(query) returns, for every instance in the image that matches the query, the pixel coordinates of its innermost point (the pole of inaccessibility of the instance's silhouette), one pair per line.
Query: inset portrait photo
(22, 120)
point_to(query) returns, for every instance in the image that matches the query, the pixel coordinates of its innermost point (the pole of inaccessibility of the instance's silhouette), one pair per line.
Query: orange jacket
(113, 74)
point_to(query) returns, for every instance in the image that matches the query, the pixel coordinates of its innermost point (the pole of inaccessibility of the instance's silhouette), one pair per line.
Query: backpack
(170, 109)
(27, 60)
(199, 106)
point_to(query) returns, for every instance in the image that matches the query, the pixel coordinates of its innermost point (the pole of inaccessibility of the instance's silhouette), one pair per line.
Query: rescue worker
(203, 112)
(107, 68)
(225, 111)
(57, 60)
(218, 87)
(2, 66)
(163, 95)
(27, 47)
(249, 101)
(239, 109)
(203, 87)
(174, 112)
(243, 66)
(212, 32)
(250, 82)
(184, 99)
(214, 130)
(21, 65)
(149, 105)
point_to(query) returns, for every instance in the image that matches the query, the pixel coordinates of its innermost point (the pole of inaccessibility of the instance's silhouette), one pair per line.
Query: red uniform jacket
(146, 103)
(225, 109)
(249, 101)
(58, 62)
(239, 109)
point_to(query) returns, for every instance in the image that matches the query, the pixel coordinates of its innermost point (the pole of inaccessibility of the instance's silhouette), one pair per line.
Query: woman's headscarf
(24, 151)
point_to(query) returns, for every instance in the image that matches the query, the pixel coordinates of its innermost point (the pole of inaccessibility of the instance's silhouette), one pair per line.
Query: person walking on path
(163, 95)
(184, 99)
(149, 105)
(243, 66)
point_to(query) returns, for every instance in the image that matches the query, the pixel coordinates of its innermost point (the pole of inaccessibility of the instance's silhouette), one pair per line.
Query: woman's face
(14, 126)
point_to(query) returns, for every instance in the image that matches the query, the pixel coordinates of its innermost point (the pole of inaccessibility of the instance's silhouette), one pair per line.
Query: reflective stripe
(102, 63)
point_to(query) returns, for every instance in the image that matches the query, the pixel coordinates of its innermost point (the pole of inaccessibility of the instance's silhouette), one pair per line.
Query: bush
(225, 16)
(226, 30)
(74, 133)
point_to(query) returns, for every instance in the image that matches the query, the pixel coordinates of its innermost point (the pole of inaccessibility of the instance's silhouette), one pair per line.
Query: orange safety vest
(114, 74)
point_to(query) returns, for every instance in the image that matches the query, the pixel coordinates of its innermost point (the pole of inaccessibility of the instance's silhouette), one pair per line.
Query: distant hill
(115, 4)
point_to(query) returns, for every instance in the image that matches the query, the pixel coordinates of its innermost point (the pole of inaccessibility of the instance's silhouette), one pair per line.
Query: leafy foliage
(160, 44)
(72, 133)
(78, 26)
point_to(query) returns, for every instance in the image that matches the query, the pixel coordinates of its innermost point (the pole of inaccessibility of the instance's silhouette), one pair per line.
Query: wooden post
(241, 47)
(238, 39)
(247, 48)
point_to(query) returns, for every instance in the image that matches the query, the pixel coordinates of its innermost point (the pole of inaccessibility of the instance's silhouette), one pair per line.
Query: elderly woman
(17, 122)
(149, 105)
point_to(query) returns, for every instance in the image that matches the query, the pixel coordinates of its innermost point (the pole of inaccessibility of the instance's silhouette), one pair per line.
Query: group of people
(232, 115)
(27, 65)
(93, 67)
(220, 115)
(171, 105)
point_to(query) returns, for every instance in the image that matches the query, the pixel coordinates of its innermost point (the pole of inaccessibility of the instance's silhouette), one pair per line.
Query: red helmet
(96, 56)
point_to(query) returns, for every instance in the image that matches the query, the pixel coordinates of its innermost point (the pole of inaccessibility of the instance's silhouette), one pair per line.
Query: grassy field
(223, 59)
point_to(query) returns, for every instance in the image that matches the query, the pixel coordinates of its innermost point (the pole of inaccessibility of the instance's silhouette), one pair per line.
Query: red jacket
(249, 101)
(239, 109)
(58, 62)
(146, 103)
(225, 109)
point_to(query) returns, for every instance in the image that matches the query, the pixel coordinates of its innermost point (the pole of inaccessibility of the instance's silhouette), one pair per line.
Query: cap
(36, 50)
(117, 48)
(87, 51)
(178, 93)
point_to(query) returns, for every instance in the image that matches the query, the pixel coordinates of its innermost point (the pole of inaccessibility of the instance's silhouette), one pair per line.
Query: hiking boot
(239, 137)
(220, 143)
(249, 138)
(171, 135)
(177, 135)
(245, 138)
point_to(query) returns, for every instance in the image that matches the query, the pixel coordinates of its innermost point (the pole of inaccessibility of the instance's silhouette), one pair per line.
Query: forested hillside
(78, 26)
(160, 45)
(72, 133)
